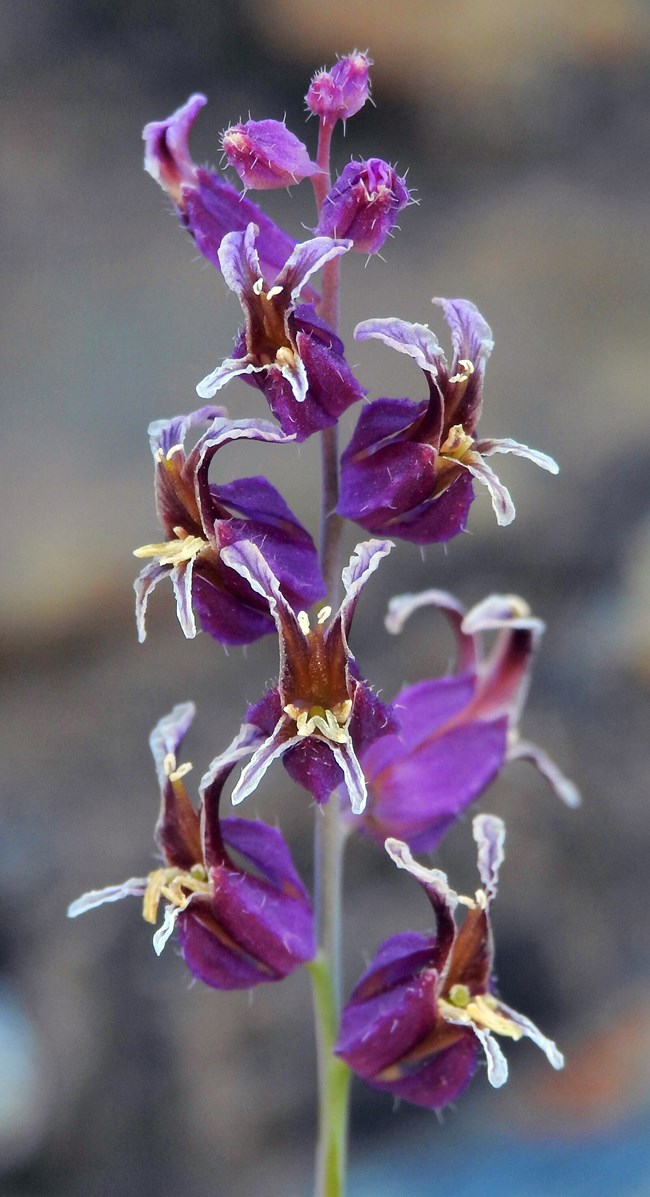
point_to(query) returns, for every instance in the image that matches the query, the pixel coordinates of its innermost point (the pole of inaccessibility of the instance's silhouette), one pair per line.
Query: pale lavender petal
(133, 888)
(224, 431)
(507, 611)
(296, 375)
(272, 748)
(248, 738)
(306, 259)
(434, 879)
(146, 581)
(168, 734)
(231, 368)
(489, 833)
(402, 606)
(497, 1065)
(553, 1055)
(247, 560)
(239, 261)
(503, 505)
(166, 434)
(363, 562)
(506, 445)
(354, 780)
(181, 576)
(566, 790)
(416, 340)
(471, 336)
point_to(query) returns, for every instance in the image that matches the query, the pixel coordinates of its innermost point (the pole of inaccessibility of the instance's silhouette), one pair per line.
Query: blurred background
(524, 128)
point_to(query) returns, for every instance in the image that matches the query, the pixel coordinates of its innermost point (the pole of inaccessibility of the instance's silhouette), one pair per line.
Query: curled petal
(167, 154)
(272, 748)
(363, 562)
(434, 879)
(133, 888)
(489, 833)
(488, 447)
(471, 336)
(402, 606)
(181, 576)
(306, 259)
(566, 790)
(146, 581)
(504, 508)
(553, 1055)
(231, 367)
(355, 782)
(416, 340)
(507, 611)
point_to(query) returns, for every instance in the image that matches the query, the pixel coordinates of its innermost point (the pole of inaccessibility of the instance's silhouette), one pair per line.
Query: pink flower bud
(340, 92)
(363, 204)
(266, 155)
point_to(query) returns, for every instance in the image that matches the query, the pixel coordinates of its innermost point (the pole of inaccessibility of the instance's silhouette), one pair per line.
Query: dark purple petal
(229, 612)
(312, 765)
(402, 957)
(441, 1079)
(438, 519)
(214, 959)
(377, 1032)
(272, 926)
(266, 154)
(380, 421)
(364, 204)
(387, 483)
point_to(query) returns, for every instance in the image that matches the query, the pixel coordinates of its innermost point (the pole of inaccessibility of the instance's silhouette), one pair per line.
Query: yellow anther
(322, 721)
(459, 995)
(181, 772)
(481, 1011)
(173, 552)
(176, 885)
(458, 442)
(465, 372)
(169, 764)
(324, 614)
(285, 356)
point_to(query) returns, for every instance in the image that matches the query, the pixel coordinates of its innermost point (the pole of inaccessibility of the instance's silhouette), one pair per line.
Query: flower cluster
(242, 565)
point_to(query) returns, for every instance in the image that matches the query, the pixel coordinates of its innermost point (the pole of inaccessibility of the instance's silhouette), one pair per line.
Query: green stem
(333, 1086)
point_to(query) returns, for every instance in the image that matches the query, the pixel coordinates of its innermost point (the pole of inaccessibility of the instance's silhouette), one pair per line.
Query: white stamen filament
(173, 552)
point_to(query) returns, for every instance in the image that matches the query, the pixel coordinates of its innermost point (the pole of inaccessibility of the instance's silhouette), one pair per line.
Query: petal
(364, 561)
(272, 748)
(553, 1055)
(439, 518)
(296, 375)
(402, 606)
(167, 434)
(146, 581)
(305, 260)
(354, 780)
(497, 1065)
(416, 340)
(377, 1031)
(471, 336)
(566, 790)
(231, 368)
(181, 576)
(504, 676)
(167, 155)
(502, 503)
(431, 879)
(506, 445)
(489, 833)
(240, 262)
(133, 888)
(168, 735)
(177, 831)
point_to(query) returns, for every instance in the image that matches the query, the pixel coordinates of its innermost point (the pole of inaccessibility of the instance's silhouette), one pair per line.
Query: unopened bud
(363, 204)
(340, 92)
(266, 155)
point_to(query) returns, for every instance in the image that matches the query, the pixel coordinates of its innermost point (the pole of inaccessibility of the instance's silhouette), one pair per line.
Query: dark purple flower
(416, 1019)
(363, 205)
(200, 518)
(208, 206)
(238, 924)
(342, 91)
(457, 732)
(266, 154)
(295, 359)
(409, 467)
(321, 714)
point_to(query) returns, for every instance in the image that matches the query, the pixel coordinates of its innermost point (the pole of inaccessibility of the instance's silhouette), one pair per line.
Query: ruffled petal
(566, 790)
(133, 888)
(416, 340)
(504, 508)
(488, 447)
(402, 606)
(305, 260)
(231, 368)
(489, 833)
(146, 581)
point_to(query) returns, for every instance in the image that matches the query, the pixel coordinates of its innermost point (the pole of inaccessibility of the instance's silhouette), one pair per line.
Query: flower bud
(363, 204)
(340, 92)
(266, 155)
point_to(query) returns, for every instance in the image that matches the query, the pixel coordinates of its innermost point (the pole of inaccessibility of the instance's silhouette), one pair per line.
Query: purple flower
(456, 732)
(237, 924)
(363, 205)
(208, 206)
(266, 154)
(295, 359)
(417, 1018)
(409, 468)
(342, 91)
(200, 518)
(321, 714)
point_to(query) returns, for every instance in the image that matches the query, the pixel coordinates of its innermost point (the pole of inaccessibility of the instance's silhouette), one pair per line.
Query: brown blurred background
(525, 130)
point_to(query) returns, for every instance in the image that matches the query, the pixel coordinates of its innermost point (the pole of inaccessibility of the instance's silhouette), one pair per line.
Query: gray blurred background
(525, 128)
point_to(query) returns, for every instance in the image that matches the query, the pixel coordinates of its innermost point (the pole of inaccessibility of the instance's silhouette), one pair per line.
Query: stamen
(170, 883)
(324, 614)
(466, 370)
(303, 622)
(173, 552)
(182, 771)
(274, 291)
(285, 356)
(258, 286)
(458, 442)
(174, 449)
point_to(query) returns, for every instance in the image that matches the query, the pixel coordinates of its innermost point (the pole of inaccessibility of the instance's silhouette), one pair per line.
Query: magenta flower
(342, 91)
(418, 1016)
(455, 733)
(409, 468)
(208, 206)
(200, 518)
(287, 351)
(321, 715)
(237, 924)
(363, 205)
(266, 154)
